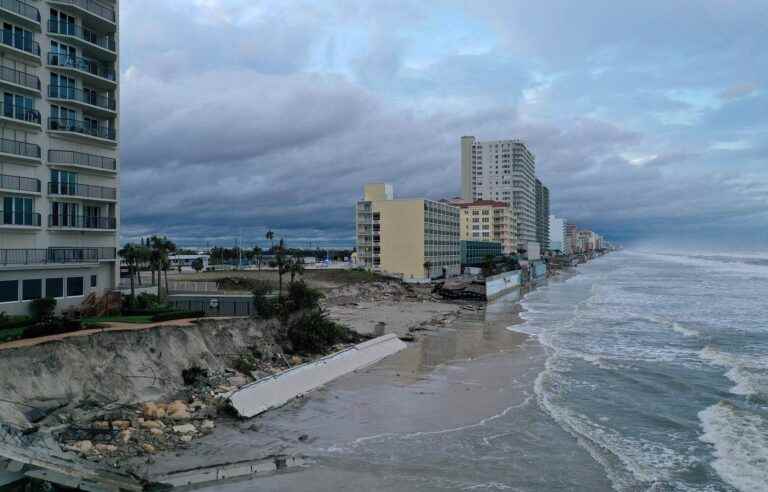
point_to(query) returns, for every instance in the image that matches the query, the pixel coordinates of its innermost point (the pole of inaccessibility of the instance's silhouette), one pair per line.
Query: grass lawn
(118, 319)
(11, 334)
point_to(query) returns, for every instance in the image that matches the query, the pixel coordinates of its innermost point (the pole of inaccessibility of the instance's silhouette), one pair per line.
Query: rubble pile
(152, 427)
(146, 430)
(392, 291)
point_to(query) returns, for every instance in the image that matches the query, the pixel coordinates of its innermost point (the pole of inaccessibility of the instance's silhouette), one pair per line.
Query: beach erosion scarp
(97, 385)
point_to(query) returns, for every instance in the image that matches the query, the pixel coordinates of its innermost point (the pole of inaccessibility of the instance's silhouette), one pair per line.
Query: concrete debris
(184, 429)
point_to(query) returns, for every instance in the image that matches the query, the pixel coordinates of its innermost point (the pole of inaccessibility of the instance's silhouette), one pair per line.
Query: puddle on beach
(455, 410)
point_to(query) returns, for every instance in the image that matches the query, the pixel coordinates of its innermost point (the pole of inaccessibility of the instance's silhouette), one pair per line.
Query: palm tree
(271, 238)
(130, 254)
(282, 264)
(257, 255)
(162, 247)
(427, 268)
(296, 266)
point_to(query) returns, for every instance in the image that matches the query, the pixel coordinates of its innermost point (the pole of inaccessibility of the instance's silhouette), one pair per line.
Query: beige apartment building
(415, 239)
(59, 120)
(488, 220)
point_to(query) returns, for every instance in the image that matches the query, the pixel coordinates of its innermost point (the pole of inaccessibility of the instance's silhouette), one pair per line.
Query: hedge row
(170, 316)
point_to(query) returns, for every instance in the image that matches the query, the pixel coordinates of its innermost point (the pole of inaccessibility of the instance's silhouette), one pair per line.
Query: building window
(94, 281)
(9, 291)
(54, 287)
(31, 289)
(74, 286)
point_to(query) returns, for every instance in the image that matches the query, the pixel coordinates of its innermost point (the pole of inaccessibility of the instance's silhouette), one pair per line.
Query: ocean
(641, 372)
(658, 365)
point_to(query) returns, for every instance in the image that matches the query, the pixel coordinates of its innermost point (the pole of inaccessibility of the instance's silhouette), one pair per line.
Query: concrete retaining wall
(276, 391)
(499, 285)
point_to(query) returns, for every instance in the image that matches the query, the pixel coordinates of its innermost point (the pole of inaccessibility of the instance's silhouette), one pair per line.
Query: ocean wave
(686, 332)
(749, 372)
(740, 440)
(755, 268)
(629, 462)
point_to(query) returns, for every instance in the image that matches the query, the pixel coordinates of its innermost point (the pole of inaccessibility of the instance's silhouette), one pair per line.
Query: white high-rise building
(502, 170)
(557, 235)
(59, 186)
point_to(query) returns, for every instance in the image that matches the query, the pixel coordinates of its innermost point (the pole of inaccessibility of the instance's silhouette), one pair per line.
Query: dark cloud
(240, 116)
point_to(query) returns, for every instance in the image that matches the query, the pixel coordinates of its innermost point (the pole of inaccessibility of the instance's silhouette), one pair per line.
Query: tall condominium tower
(542, 215)
(502, 170)
(59, 205)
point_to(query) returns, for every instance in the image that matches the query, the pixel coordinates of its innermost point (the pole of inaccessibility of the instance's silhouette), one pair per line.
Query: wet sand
(454, 411)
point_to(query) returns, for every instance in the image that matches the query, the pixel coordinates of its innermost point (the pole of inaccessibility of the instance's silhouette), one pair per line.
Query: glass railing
(21, 8)
(32, 256)
(18, 183)
(19, 78)
(20, 41)
(93, 7)
(21, 113)
(81, 159)
(82, 222)
(87, 97)
(81, 127)
(12, 217)
(70, 29)
(83, 64)
(82, 190)
(16, 147)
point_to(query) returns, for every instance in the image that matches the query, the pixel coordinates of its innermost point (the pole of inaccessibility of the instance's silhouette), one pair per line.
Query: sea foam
(740, 441)
(748, 372)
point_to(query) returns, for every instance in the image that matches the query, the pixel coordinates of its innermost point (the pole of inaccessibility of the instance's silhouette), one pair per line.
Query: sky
(649, 120)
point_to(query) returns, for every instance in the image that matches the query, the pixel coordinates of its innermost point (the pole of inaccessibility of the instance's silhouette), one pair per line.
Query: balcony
(96, 12)
(20, 11)
(82, 191)
(97, 73)
(89, 41)
(19, 150)
(82, 222)
(53, 256)
(19, 80)
(20, 115)
(87, 99)
(80, 160)
(18, 184)
(84, 129)
(18, 44)
(20, 220)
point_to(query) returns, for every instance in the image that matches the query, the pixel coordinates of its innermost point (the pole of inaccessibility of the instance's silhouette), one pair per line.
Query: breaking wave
(740, 441)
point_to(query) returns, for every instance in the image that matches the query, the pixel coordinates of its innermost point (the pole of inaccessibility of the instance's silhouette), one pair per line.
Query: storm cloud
(647, 121)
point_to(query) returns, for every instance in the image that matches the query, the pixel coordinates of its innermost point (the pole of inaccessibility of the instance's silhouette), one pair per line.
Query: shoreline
(449, 334)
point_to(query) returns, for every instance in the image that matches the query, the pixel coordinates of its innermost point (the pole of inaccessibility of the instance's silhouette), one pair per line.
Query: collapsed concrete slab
(275, 391)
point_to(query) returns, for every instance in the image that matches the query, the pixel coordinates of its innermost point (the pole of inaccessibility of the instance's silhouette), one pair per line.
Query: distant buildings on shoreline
(502, 203)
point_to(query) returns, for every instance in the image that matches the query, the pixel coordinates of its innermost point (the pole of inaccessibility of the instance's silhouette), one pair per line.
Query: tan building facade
(414, 239)
(59, 151)
(488, 220)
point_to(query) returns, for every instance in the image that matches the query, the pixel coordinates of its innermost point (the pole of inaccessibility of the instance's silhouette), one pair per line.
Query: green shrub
(54, 326)
(172, 315)
(303, 297)
(265, 307)
(42, 309)
(11, 322)
(314, 333)
(194, 375)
